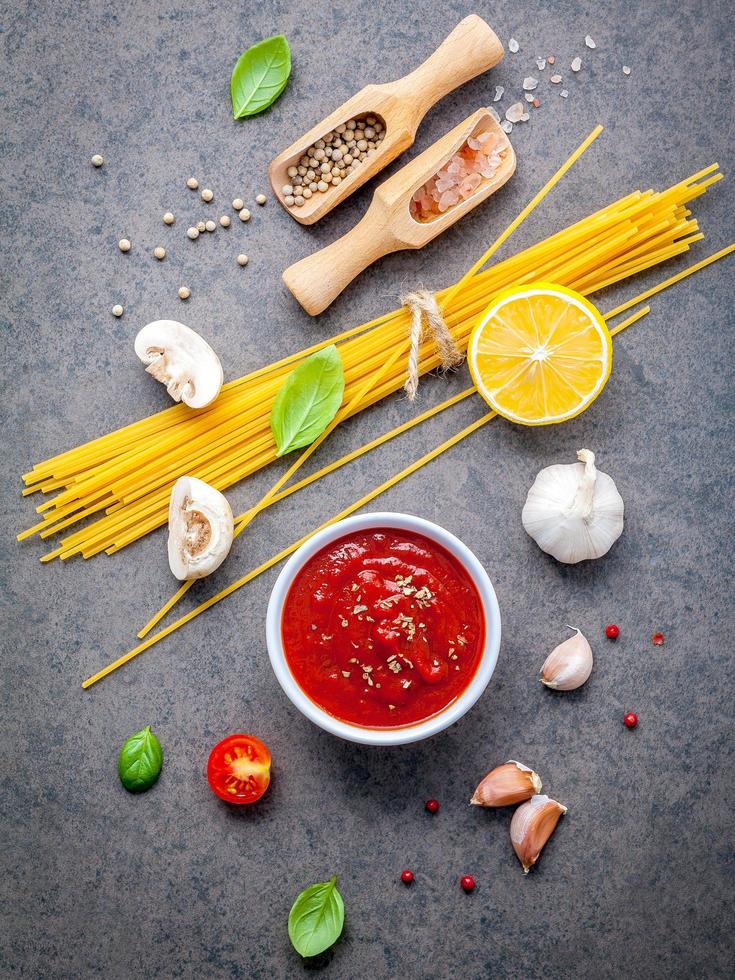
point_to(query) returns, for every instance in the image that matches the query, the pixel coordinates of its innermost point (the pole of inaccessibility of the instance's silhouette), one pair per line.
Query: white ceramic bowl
(408, 733)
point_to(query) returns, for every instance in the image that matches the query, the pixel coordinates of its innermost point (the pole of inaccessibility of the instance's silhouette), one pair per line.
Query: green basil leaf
(140, 761)
(316, 918)
(308, 400)
(260, 76)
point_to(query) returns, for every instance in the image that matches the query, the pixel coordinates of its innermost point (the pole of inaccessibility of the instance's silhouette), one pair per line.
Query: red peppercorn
(467, 883)
(630, 720)
(407, 876)
(432, 806)
(612, 632)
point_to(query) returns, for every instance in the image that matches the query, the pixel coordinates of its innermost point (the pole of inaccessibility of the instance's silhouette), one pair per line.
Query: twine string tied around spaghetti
(426, 316)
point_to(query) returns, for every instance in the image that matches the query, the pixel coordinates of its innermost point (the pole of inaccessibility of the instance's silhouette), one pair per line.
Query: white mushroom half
(200, 528)
(182, 360)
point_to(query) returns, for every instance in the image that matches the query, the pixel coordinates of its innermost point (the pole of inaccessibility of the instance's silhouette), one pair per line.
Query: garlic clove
(573, 511)
(532, 825)
(182, 360)
(507, 784)
(569, 664)
(200, 529)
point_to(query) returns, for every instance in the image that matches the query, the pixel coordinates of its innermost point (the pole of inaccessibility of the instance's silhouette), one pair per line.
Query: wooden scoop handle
(470, 49)
(318, 279)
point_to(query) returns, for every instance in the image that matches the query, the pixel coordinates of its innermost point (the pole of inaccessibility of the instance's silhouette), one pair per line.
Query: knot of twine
(425, 312)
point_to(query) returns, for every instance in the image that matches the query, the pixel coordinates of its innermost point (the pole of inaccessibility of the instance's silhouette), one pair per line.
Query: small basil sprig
(259, 76)
(140, 761)
(316, 918)
(308, 400)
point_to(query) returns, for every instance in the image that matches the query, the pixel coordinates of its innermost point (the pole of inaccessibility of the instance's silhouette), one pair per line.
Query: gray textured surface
(175, 884)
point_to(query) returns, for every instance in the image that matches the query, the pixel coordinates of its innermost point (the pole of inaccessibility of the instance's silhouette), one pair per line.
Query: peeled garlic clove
(532, 825)
(182, 360)
(200, 529)
(507, 784)
(568, 665)
(573, 512)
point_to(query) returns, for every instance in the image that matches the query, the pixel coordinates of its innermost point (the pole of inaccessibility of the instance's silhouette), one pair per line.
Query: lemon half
(541, 354)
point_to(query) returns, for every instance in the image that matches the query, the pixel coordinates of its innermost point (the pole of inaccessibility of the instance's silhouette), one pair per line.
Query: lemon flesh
(541, 354)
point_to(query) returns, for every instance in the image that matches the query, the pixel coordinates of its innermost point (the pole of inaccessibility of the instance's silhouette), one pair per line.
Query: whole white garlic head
(568, 665)
(573, 511)
(200, 528)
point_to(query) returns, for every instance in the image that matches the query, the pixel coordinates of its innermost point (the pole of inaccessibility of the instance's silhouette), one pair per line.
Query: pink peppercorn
(630, 720)
(407, 876)
(467, 882)
(432, 806)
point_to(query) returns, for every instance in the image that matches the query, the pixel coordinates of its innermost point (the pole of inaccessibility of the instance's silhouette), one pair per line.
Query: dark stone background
(174, 883)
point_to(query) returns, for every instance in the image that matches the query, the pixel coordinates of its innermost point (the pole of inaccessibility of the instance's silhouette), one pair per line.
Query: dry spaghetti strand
(116, 488)
(448, 352)
(239, 583)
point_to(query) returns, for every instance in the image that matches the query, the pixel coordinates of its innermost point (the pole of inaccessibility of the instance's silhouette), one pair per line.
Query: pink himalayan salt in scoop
(476, 160)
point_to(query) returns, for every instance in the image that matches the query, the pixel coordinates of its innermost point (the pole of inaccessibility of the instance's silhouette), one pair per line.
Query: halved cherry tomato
(239, 769)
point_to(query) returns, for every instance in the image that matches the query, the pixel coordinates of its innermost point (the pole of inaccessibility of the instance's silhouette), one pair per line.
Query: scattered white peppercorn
(168, 218)
(117, 310)
(242, 259)
(238, 204)
(210, 225)
(225, 221)
(193, 233)
(159, 252)
(97, 161)
(261, 199)
(124, 245)
(201, 226)
(244, 215)
(192, 183)
(207, 195)
(184, 292)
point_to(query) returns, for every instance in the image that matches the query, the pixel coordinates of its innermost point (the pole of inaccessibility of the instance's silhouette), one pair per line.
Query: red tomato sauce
(383, 628)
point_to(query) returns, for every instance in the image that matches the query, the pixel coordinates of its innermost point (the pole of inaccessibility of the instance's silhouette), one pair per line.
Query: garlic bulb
(507, 784)
(532, 825)
(573, 512)
(568, 665)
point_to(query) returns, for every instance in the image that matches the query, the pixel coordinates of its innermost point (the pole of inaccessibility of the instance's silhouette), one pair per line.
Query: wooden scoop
(388, 225)
(469, 50)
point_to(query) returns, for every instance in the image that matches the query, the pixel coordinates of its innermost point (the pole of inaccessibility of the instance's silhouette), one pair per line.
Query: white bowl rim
(384, 736)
